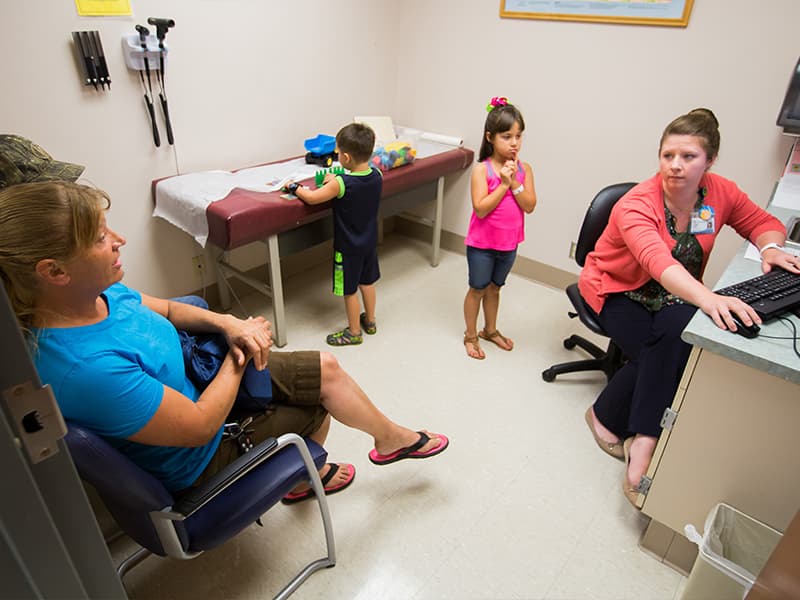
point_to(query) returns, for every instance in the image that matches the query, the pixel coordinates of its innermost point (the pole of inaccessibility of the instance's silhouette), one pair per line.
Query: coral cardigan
(636, 246)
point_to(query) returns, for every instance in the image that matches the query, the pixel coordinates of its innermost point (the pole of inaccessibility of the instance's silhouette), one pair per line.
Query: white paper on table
(418, 136)
(787, 194)
(182, 200)
(440, 138)
(386, 132)
(271, 178)
(752, 252)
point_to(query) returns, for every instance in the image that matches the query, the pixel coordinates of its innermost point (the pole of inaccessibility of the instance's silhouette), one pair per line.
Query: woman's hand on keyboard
(775, 257)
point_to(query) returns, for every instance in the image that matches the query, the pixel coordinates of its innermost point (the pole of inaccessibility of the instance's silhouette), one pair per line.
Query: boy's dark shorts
(295, 406)
(353, 270)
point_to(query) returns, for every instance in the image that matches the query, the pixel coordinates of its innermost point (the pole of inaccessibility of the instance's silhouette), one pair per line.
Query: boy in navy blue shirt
(355, 196)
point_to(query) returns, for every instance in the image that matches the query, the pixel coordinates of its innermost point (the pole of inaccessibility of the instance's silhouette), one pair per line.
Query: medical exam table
(252, 213)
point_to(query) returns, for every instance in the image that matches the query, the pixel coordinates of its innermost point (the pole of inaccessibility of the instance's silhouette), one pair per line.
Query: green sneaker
(344, 338)
(370, 328)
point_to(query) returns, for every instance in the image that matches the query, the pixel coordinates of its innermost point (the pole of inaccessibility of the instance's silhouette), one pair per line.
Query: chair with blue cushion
(611, 359)
(204, 517)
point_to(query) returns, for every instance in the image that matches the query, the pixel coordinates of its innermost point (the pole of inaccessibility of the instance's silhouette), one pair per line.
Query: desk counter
(769, 355)
(731, 433)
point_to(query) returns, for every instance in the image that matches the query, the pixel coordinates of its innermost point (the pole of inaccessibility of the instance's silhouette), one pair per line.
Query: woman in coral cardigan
(644, 281)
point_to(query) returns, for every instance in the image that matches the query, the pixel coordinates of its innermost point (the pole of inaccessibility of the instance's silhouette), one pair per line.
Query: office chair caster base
(548, 375)
(576, 341)
(609, 362)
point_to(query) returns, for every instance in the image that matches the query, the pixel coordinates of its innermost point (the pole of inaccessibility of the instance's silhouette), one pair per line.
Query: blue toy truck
(321, 150)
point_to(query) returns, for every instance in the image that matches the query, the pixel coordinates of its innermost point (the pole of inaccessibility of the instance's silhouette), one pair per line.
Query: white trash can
(732, 551)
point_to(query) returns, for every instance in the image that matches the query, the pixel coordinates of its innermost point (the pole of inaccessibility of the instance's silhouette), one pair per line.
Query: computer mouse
(748, 331)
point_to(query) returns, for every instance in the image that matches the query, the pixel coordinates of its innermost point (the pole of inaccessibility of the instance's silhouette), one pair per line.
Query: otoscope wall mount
(134, 53)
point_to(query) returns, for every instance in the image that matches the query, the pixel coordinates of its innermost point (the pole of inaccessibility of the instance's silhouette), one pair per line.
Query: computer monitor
(789, 116)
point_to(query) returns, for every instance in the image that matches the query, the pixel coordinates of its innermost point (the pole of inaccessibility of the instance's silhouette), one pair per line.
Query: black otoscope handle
(164, 107)
(151, 110)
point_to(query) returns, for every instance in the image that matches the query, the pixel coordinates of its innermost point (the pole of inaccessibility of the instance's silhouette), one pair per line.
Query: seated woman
(113, 357)
(644, 280)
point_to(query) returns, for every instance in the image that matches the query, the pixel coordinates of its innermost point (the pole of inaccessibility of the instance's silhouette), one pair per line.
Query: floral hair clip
(495, 102)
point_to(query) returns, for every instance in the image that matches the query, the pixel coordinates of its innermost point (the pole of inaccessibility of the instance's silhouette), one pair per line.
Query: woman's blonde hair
(38, 221)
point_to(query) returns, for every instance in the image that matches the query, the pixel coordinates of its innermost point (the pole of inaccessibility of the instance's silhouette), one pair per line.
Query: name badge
(702, 220)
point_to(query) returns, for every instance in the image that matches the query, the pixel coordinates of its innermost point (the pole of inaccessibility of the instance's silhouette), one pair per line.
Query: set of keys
(240, 434)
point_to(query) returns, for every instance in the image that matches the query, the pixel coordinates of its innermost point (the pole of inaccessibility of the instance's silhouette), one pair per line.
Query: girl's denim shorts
(489, 266)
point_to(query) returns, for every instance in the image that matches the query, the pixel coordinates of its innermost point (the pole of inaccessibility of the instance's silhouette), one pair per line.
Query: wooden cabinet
(734, 440)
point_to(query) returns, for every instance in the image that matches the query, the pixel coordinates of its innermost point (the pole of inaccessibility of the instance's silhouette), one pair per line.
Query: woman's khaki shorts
(295, 406)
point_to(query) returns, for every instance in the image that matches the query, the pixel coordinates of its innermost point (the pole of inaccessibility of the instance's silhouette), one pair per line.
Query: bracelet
(518, 190)
(770, 246)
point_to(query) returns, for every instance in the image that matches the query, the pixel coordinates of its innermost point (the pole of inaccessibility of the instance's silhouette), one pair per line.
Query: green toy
(319, 176)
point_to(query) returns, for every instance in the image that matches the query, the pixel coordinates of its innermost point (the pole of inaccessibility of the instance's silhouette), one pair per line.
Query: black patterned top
(687, 251)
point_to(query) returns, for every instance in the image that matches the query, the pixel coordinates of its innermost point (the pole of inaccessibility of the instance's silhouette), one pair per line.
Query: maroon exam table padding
(245, 216)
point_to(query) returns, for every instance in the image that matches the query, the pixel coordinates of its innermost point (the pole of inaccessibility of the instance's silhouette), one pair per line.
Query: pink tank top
(504, 227)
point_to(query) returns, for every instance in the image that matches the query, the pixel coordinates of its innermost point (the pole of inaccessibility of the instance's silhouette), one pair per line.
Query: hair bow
(495, 102)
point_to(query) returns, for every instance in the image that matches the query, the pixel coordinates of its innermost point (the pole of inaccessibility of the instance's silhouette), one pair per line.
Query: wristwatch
(292, 188)
(768, 246)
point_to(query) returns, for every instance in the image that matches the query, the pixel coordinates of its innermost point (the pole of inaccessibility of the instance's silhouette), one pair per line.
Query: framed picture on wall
(671, 13)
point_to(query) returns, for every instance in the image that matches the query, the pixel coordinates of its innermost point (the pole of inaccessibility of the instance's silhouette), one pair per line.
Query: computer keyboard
(770, 294)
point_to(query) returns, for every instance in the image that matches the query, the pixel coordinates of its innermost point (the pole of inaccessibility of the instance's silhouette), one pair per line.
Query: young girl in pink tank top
(502, 192)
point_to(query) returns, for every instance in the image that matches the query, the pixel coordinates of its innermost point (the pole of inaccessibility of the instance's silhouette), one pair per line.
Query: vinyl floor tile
(521, 505)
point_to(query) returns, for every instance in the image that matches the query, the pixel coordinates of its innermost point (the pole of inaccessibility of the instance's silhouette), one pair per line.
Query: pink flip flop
(291, 497)
(411, 451)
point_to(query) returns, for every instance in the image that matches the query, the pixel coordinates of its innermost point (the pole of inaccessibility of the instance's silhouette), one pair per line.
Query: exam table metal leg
(437, 222)
(276, 283)
(217, 259)
(272, 289)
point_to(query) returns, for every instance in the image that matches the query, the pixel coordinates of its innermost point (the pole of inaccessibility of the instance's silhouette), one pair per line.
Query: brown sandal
(473, 339)
(492, 337)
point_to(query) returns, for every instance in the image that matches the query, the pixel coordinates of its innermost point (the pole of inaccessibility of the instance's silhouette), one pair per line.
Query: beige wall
(596, 98)
(248, 81)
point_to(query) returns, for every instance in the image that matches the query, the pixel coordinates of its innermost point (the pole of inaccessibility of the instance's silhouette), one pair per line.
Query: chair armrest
(199, 496)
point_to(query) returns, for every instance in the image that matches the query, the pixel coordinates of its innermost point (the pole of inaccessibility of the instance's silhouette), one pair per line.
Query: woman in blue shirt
(114, 360)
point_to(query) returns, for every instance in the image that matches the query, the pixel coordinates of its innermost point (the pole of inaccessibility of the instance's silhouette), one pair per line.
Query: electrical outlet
(198, 263)
(572, 247)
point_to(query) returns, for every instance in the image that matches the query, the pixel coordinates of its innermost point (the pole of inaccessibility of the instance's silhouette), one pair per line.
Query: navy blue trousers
(636, 396)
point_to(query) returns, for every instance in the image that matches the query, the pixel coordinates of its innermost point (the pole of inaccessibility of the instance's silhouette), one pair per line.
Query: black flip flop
(410, 451)
(291, 498)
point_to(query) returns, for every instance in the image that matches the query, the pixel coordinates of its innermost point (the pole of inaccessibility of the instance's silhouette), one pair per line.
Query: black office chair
(610, 359)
